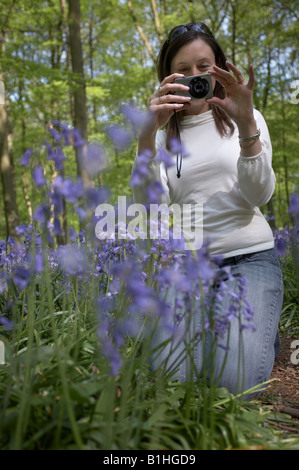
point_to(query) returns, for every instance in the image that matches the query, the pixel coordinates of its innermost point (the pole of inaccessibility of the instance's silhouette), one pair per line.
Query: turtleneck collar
(196, 119)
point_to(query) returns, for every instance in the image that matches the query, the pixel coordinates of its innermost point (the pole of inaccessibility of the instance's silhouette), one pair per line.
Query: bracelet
(249, 141)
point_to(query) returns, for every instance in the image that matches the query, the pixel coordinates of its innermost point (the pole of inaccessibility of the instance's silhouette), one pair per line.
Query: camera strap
(179, 157)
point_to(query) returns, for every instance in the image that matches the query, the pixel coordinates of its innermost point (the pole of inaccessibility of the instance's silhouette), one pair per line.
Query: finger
(174, 98)
(163, 99)
(224, 77)
(234, 69)
(171, 78)
(168, 107)
(251, 80)
(168, 87)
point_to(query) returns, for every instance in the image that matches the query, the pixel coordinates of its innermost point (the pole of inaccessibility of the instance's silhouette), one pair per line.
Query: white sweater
(230, 187)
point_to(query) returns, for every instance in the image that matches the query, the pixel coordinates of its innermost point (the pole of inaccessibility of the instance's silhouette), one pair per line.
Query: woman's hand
(163, 102)
(238, 101)
(162, 105)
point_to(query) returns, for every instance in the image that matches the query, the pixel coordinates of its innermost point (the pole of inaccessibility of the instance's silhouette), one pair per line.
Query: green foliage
(35, 61)
(56, 392)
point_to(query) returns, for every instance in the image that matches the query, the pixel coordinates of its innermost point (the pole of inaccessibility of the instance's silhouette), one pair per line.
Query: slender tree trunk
(158, 25)
(24, 174)
(65, 32)
(80, 108)
(233, 29)
(7, 173)
(141, 32)
(91, 67)
(6, 159)
(268, 80)
(56, 36)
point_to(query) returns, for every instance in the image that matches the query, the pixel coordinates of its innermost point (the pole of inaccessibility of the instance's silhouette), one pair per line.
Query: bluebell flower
(77, 139)
(38, 176)
(57, 227)
(165, 157)
(136, 179)
(95, 159)
(294, 206)
(96, 196)
(57, 202)
(38, 263)
(57, 136)
(73, 260)
(21, 230)
(22, 278)
(120, 136)
(8, 324)
(81, 213)
(65, 132)
(154, 192)
(69, 189)
(42, 213)
(177, 147)
(134, 115)
(58, 157)
(73, 234)
(11, 241)
(25, 158)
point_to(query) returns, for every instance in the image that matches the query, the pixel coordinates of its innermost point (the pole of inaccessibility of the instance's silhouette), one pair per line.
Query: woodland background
(76, 61)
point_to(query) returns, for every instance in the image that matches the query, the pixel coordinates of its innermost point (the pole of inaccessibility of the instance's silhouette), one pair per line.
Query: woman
(229, 171)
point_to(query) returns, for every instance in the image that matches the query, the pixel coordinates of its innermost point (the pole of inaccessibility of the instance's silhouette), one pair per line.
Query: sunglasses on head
(181, 29)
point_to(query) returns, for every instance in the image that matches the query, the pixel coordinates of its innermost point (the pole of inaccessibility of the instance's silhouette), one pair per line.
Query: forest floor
(282, 395)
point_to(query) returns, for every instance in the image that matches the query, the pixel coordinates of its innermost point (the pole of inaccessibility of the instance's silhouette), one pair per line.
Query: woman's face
(194, 58)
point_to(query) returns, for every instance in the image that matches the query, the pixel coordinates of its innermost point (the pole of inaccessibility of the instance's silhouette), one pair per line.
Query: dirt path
(283, 392)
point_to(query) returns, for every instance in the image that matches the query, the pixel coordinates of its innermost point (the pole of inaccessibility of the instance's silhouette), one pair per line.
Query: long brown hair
(168, 50)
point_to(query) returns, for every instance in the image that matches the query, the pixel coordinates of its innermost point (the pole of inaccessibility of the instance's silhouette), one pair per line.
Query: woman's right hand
(162, 105)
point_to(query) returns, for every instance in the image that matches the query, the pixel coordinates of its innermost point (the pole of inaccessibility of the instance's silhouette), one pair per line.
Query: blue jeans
(249, 358)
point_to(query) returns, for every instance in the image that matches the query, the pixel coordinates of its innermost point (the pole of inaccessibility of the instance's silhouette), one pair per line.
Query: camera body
(200, 86)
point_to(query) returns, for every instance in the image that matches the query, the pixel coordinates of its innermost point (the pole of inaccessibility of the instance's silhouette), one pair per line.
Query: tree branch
(141, 32)
(158, 26)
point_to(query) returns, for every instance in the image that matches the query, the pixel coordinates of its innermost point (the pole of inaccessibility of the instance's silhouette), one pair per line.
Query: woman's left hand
(238, 101)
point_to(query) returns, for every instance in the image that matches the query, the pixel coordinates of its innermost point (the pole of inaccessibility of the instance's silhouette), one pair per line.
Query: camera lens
(198, 87)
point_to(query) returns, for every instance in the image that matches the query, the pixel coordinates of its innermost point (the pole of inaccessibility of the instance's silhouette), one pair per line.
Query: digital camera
(200, 86)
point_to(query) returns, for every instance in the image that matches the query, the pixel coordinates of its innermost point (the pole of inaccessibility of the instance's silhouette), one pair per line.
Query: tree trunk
(234, 30)
(65, 32)
(158, 26)
(7, 173)
(91, 67)
(141, 32)
(24, 174)
(268, 80)
(80, 108)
